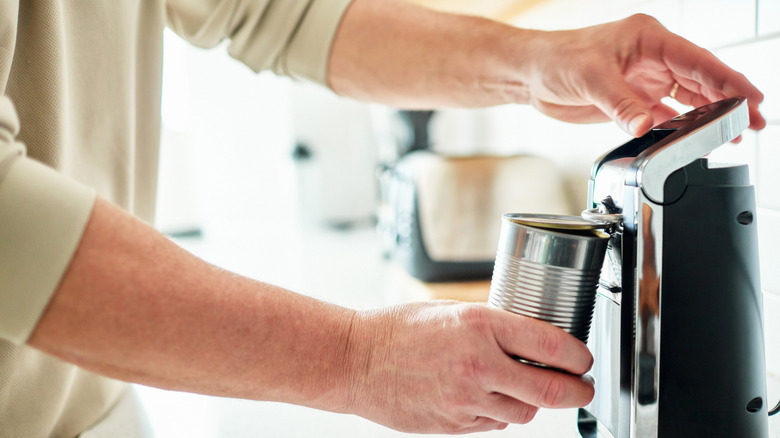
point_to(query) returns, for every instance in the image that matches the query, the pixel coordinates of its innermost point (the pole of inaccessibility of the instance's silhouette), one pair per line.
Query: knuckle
(553, 393)
(476, 367)
(526, 414)
(643, 20)
(463, 402)
(461, 425)
(550, 344)
(474, 317)
(624, 107)
(470, 369)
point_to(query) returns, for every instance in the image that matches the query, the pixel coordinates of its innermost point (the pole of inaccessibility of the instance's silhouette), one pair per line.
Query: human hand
(622, 70)
(447, 367)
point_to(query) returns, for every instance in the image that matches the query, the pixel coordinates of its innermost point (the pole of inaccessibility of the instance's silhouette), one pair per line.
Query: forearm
(136, 307)
(408, 56)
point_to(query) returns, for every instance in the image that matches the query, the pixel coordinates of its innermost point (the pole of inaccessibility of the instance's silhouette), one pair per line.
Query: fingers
(700, 71)
(694, 94)
(482, 424)
(662, 113)
(505, 409)
(610, 93)
(706, 79)
(540, 387)
(448, 368)
(541, 342)
(660, 59)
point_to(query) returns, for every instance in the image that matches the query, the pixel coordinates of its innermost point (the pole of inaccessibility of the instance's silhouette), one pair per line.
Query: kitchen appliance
(438, 208)
(677, 331)
(443, 226)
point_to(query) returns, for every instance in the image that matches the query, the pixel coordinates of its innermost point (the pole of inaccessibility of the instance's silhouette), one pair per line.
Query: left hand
(447, 367)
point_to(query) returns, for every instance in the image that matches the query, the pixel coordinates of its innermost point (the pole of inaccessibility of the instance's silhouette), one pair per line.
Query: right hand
(622, 71)
(446, 367)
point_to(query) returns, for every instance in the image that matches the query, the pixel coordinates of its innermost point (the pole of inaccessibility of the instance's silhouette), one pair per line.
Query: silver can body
(550, 273)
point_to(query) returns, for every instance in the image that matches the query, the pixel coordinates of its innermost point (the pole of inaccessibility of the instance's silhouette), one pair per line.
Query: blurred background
(285, 182)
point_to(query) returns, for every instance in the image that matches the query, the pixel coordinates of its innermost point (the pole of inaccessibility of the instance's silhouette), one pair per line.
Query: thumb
(637, 123)
(621, 104)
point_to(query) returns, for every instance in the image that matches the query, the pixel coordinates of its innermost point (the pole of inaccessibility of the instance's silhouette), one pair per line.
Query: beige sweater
(80, 85)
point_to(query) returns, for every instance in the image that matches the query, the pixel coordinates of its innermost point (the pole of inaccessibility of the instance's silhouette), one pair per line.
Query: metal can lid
(557, 222)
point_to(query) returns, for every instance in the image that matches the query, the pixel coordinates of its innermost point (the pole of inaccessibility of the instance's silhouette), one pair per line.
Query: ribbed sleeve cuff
(309, 51)
(42, 218)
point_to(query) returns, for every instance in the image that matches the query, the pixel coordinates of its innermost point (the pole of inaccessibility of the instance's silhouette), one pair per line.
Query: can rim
(556, 222)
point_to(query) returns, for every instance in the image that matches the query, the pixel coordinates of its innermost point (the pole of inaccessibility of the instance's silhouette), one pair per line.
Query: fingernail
(635, 126)
(590, 365)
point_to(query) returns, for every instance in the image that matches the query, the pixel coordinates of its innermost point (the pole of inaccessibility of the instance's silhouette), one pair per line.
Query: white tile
(772, 333)
(772, 342)
(759, 61)
(768, 16)
(714, 23)
(768, 175)
(773, 394)
(769, 256)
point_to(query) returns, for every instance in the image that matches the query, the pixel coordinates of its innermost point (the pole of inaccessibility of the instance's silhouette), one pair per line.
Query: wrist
(505, 68)
(369, 334)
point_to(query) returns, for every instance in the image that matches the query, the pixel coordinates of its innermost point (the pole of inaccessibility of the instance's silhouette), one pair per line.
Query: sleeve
(42, 218)
(290, 37)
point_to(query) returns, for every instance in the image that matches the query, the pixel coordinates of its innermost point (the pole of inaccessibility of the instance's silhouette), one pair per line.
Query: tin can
(548, 267)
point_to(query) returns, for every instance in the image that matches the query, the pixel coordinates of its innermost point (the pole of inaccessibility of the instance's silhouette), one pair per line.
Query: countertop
(185, 415)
